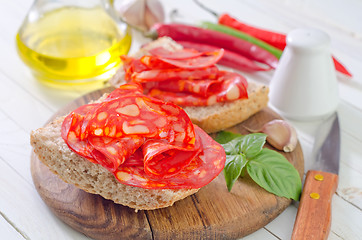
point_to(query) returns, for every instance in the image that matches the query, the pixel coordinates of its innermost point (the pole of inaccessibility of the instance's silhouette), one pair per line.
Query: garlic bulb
(142, 13)
(280, 135)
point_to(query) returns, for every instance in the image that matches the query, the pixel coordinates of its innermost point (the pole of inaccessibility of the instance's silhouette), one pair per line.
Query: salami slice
(136, 137)
(140, 116)
(199, 87)
(107, 151)
(131, 65)
(135, 160)
(174, 74)
(203, 87)
(202, 61)
(177, 54)
(112, 152)
(230, 86)
(186, 77)
(72, 130)
(207, 59)
(200, 171)
(152, 62)
(125, 89)
(162, 159)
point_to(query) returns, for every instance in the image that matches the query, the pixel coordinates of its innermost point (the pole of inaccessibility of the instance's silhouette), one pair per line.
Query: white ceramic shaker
(304, 85)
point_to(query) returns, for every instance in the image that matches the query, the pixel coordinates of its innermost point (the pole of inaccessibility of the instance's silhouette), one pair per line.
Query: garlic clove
(280, 135)
(141, 13)
(154, 13)
(132, 11)
(150, 19)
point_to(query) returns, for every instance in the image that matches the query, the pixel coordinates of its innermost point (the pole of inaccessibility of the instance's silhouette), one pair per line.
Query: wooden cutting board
(211, 213)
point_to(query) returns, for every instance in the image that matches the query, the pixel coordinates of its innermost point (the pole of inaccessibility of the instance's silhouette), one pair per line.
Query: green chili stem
(239, 34)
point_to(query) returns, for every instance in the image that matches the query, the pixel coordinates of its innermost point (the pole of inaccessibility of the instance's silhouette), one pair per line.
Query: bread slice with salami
(235, 101)
(145, 144)
(130, 148)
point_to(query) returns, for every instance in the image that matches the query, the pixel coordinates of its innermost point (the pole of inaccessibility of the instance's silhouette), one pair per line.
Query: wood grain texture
(313, 219)
(211, 213)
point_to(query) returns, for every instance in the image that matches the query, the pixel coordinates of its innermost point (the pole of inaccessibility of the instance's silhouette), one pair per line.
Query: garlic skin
(142, 13)
(280, 135)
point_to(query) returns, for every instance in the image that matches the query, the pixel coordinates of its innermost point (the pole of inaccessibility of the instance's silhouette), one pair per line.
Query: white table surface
(26, 105)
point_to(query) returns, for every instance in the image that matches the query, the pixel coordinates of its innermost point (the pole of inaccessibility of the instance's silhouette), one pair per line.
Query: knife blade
(314, 212)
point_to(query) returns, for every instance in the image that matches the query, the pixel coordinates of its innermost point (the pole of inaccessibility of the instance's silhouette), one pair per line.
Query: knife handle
(313, 219)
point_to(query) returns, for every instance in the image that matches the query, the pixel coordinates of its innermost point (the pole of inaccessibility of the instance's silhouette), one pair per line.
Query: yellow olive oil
(71, 46)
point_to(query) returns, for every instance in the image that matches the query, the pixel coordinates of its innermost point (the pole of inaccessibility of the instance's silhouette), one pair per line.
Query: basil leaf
(232, 147)
(252, 144)
(238, 148)
(272, 171)
(224, 137)
(233, 167)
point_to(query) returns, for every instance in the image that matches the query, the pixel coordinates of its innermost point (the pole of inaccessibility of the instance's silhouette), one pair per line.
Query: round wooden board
(211, 213)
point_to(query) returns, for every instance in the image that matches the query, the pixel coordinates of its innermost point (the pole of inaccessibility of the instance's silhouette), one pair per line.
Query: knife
(313, 219)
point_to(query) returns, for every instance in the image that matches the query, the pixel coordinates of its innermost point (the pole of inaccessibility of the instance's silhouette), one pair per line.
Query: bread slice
(220, 116)
(216, 117)
(51, 149)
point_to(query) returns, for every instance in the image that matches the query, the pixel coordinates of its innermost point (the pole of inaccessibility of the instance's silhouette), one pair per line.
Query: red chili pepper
(275, 39)
(230, 59)
(340, 68)
(181, 32)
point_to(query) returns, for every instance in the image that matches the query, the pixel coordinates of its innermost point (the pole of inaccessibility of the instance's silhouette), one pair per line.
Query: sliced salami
(72, 130)
(177, 54)
(126, 89)
(153, 142)
(140, 116)
(186, 77)
(202, 60)
(158, 75)
(152, 62)
(131, 65)
(200, 87)
(200, 171)
(207, 59)
(112, 152)
(229, 87)
(204, 87)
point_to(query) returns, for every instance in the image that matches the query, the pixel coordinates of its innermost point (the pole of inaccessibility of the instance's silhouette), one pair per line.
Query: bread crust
(52, 151)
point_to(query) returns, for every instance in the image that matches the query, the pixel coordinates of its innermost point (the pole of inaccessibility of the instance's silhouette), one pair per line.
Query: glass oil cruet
(68, 43)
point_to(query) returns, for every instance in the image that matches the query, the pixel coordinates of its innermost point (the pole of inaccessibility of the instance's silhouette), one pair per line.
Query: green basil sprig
(268, 168)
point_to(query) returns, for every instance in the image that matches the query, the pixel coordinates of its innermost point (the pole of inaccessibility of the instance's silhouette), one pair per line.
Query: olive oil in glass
(70, 46)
